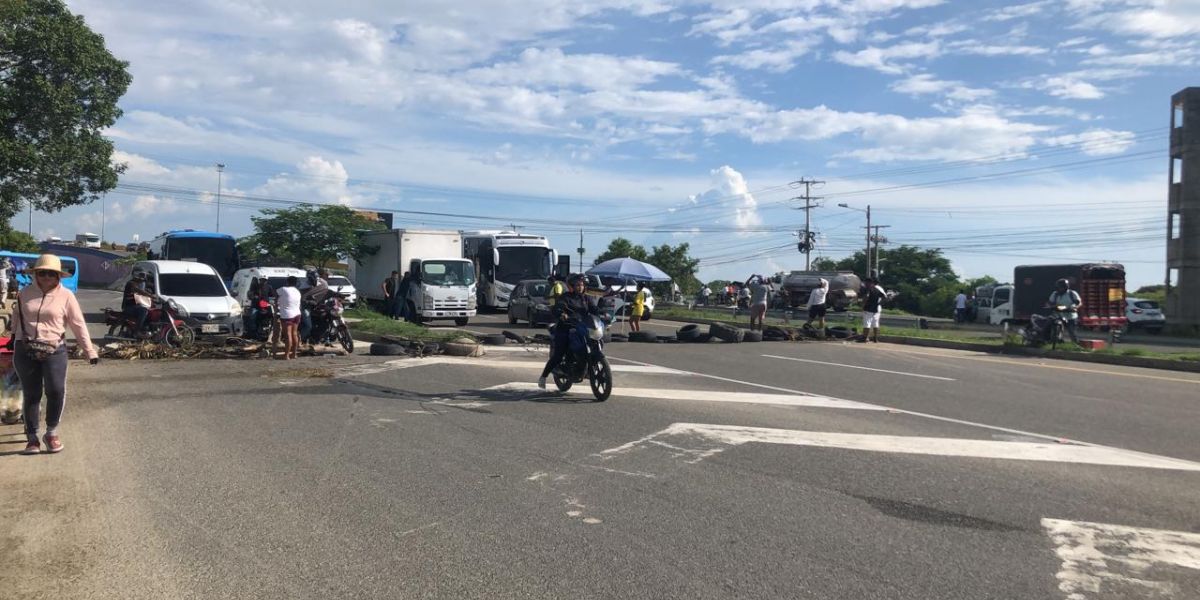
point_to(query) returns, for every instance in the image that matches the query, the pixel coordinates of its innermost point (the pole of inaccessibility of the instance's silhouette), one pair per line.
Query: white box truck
(444, 282)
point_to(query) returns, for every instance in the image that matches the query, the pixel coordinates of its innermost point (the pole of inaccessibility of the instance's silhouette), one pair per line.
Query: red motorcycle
(164, 325)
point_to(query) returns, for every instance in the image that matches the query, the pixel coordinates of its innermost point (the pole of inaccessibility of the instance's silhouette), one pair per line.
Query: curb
(1107, 359)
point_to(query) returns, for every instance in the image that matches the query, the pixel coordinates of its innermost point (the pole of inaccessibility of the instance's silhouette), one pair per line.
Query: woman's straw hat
(49, 262)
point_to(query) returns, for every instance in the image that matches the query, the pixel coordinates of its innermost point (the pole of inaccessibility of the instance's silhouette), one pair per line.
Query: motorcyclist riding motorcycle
(129, 303)
(313, 295)
(571, 307)
(1069, 299)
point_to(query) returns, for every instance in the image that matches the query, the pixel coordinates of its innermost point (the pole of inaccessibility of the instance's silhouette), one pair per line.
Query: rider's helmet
(325, 273)
(311, 276)
(139, 276)
(1062, 285)
(574, 279)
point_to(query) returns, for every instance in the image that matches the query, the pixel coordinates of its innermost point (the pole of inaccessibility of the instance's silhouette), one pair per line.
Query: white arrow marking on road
(699, 395)
(1117, 561)
(717, 438)
(833, 364)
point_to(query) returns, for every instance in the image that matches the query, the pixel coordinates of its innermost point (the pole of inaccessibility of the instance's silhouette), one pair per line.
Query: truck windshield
(447, 273)
(218, 253)
(523, 263)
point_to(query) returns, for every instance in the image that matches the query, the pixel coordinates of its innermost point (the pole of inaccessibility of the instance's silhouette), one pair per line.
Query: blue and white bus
(22, 263)
(217, 250)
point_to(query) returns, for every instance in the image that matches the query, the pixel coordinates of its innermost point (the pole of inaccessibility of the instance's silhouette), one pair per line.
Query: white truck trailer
(443, 284)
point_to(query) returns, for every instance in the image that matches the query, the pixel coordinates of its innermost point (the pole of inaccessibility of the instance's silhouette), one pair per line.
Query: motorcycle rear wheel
(601, 379)
(343, 335)
(563, 382)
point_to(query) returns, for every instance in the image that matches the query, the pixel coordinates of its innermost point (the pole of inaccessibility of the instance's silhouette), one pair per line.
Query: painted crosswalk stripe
(845, 366)
(706, 440)
(1121, 561)
(695, 395)
(409, 363)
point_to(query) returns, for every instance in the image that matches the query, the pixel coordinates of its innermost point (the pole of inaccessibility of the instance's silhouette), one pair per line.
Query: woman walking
(287, 304)
(45, 310)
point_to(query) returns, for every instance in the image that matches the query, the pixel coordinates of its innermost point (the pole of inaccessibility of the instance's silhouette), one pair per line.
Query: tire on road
(688, 333)
(495, 339)
(384, 349)
(620, 337)
(752, 336)
(463, 347)
(726, 333)
(643, 336)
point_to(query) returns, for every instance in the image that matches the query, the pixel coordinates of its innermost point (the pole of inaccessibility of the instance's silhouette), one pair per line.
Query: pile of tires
(726, 333)
(463, 346)
(494, 339)
(752, 336)
(388, 349)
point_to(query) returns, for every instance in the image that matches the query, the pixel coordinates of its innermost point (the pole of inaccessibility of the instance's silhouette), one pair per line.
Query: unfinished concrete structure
(1183, 213)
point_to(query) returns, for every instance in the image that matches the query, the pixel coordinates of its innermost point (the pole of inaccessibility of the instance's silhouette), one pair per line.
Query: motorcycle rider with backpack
(570, 308)
(1069, 299)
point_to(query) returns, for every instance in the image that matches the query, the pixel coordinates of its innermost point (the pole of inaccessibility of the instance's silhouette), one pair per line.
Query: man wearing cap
(45, 310)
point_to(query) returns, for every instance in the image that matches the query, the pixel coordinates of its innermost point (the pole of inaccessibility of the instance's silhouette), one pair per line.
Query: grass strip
(369, 321)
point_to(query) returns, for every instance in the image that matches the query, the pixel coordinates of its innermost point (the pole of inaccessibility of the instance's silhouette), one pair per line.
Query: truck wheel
(462, 322)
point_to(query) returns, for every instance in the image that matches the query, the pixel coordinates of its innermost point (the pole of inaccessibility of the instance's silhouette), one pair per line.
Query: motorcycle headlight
(596, 330)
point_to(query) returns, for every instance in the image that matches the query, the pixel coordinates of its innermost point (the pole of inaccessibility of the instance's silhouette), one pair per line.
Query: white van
(199, 290)
(276, 276)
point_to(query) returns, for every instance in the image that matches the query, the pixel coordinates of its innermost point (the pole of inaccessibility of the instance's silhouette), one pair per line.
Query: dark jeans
(140, 314)
(49, 376)
(1071, 325)
(558, 347)
(960, 315)
(305, 324)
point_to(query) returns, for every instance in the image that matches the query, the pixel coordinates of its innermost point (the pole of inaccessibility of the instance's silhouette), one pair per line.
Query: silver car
(528, 302)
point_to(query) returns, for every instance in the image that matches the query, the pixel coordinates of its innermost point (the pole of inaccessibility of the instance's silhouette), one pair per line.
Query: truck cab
(443, 288)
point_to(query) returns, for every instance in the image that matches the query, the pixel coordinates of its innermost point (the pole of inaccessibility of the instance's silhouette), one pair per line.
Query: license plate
(210, 329)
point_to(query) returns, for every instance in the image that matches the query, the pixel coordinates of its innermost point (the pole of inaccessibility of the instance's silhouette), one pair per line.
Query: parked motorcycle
(164, 325)
(1047, 329)
(585, 359)
(262, 318)
(328, 326)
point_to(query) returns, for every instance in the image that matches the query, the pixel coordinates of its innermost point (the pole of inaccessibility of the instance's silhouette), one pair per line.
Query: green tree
(311, 235)
(59, 88)
(622, 248)
(18, 241)
(824, 263)
(676, 262)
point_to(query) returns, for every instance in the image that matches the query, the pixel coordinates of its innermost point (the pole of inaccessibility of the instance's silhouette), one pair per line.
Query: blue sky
(1006, 133)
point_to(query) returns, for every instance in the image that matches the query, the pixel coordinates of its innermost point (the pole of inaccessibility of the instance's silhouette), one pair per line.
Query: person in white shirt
(5, 271)
(816, 306)
(287, 302)
(960, 307)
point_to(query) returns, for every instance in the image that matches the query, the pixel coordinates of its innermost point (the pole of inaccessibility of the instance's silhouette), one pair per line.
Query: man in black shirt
(873, 299)
(129, 305)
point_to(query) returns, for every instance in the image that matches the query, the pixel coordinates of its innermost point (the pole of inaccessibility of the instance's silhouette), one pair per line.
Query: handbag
(35, 349)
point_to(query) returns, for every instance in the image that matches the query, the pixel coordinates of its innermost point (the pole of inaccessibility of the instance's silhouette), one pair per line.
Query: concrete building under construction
(1183, 213)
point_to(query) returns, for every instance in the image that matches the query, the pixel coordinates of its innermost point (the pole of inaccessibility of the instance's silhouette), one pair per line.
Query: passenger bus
(23, 262)
(87, 240)
(217, 250)
(504, 258)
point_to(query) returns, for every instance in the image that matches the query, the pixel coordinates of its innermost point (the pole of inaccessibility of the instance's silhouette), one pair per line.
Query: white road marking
(833, 364)
(804, 400)
(408, 363)
(716, 438)
(1120, 561)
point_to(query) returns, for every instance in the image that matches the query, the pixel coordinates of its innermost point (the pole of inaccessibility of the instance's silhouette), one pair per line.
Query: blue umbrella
(629, 269)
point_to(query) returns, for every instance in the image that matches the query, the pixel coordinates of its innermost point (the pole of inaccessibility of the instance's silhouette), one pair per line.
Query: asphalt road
(771, 470)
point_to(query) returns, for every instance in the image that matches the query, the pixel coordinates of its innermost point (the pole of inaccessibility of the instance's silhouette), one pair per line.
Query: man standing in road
(758, 300)
(872, 310)
(705, 294)
(816, 306)
(389, 287)
(401, 311)
(960, 307)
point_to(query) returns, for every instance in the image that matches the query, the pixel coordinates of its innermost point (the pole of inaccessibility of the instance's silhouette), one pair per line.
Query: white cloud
(730, 191)
(974, 47)
(1069, 87)
(924, 84)
(1145, 18)
(777, 60)
(551, 68)
(1096, 142)
(884, 59)
(1017, 11)
(317, 180)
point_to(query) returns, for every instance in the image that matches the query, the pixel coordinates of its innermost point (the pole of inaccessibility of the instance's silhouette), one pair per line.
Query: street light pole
(868, 250)
(220, 169)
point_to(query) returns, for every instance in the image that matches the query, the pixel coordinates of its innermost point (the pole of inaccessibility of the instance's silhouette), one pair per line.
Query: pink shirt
(47, 316)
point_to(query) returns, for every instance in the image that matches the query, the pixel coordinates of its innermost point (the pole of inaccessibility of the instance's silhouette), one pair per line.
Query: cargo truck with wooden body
(1101, 287)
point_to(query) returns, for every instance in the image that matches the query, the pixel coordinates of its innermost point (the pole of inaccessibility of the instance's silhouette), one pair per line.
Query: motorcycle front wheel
(601, 379)
(343, 335)
(184, 339)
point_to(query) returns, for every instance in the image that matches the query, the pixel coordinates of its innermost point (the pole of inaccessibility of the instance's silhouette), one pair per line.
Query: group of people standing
(292, 321)
(395, 294)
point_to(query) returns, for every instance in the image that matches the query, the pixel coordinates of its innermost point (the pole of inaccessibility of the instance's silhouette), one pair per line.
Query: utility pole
(220, 169)
(31, 218)
(807, 237)
(101, 221)
(580, 250)
(877, 240)
(868, 250)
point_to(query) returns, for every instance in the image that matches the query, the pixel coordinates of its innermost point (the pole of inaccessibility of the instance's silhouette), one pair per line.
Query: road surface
(770, 470)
